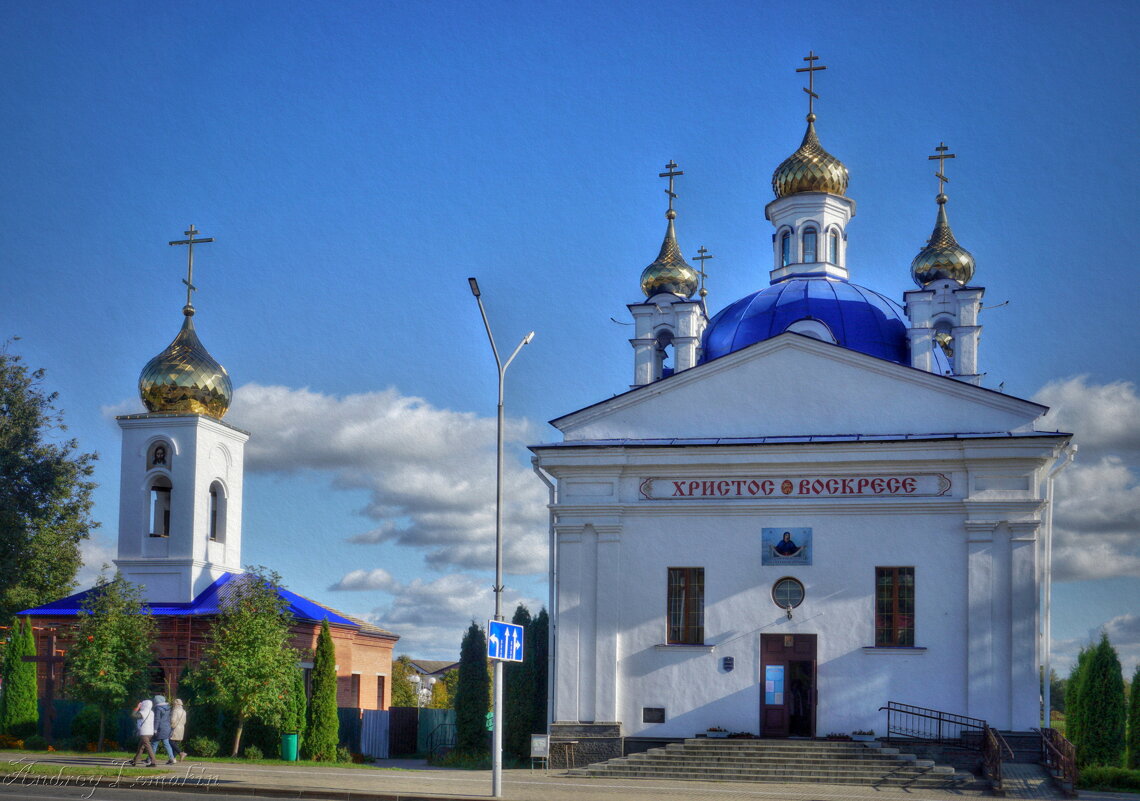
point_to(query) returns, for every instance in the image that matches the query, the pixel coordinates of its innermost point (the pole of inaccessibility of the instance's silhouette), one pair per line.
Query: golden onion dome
(810, 169)
(942, 256)
(184, 378)
(669, 272)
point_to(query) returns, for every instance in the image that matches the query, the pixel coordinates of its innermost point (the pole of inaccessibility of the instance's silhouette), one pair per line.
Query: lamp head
(474, 286)
(528, 338)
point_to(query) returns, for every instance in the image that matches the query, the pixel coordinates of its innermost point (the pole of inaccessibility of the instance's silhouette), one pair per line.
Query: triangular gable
(796, 385)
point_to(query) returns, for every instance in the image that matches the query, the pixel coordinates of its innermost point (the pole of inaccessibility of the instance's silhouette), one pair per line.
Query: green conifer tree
(322, 730)
(471, 695)
(518, 694)
(1073, 707)
(19, 714)
(538, 643)
(1102, 718)
(1134, 722)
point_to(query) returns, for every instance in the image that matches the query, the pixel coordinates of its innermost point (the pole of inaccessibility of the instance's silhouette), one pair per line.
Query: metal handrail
(1060, 755)
(993, 746)
(441, 739)
(911, 722)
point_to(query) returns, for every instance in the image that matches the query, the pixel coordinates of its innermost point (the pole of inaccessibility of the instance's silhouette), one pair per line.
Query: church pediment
(794, 385)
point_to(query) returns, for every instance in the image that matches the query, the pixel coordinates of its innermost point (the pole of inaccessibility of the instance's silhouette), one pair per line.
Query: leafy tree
(249, 657)
(518, 694)
(472, 693)
(451, 682)
(1102, 711)
(403, 691)
(322, 731)
(1056, 692)
(1134, 722)
(45, 497)
(441, 693)
(19, 712)
(112, 649)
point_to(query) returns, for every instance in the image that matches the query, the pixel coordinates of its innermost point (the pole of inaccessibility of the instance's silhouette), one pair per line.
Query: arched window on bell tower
(663, 353)
(833, 246)
(217, 518)
(160, 489)
(810, 246)
(785, 248)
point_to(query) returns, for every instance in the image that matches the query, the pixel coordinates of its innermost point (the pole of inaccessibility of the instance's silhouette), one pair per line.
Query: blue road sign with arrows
(504, 641)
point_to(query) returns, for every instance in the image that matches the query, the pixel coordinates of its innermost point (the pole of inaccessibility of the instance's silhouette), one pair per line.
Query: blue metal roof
(211, 601)
(859, 318)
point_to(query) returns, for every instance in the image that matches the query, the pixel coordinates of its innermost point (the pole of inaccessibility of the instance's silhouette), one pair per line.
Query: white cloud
(376, 579)
(1097, 515)
(430, 472)
(97, 552)
(1105, 417)
(1123, 632)
(431, 616)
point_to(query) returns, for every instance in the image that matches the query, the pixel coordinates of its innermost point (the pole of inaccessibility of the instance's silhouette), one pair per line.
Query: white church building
(842, 517)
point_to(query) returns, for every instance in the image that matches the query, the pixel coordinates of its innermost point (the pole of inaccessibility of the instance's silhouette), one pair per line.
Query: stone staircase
(708, 759)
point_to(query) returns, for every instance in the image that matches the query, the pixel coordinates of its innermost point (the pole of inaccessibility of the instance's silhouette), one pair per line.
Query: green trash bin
(289, 747)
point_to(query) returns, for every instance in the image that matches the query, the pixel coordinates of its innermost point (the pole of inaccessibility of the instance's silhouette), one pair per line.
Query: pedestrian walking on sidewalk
(144, 725)
(178, 728)
(162, 727)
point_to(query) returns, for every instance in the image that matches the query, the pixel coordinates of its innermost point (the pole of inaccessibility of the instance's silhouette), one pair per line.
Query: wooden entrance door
(787, 690)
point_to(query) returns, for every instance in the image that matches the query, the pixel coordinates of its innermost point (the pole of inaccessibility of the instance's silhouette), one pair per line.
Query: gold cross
(672, 173)
(191, 242)
(702, 254)
(941, 157)
(811, 69)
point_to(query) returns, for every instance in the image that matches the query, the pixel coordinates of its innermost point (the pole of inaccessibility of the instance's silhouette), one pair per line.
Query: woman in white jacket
(144, 724)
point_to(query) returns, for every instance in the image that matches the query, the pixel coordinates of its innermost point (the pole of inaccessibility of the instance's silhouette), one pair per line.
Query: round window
(788, 592)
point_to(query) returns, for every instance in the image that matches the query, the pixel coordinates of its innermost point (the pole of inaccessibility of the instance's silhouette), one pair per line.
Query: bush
(1104, 778)
(11, 741)
(202, 747)
(86, 725)
(74, 743)
(253, 752)
(343, 754)
(35, 743)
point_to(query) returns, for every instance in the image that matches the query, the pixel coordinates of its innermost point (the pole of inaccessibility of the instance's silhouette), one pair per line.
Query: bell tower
(669, 324)
(944, 311)
(180, 489)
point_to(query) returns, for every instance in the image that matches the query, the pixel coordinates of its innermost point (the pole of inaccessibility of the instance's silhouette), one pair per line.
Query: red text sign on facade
(906, 485)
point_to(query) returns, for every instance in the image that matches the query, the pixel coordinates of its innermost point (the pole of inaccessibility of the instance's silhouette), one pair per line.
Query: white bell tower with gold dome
(669, 323)
(180, 491)
(944, 312)
(811, 209)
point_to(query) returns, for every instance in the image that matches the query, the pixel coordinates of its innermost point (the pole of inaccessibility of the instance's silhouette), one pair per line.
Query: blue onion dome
(184, 378)
(857, 318)
(810, 169)
(942, 256)
(669, 272)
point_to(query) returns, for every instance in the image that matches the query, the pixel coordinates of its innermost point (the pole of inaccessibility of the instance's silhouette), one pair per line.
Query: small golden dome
(185, 379)
(669, 272)
(942, 257)
(810, 169)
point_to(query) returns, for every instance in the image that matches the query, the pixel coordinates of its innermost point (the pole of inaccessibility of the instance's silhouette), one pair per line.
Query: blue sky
(356, 161)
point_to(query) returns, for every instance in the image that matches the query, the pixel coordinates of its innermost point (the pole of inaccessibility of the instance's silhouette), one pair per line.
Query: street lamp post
(497, 712)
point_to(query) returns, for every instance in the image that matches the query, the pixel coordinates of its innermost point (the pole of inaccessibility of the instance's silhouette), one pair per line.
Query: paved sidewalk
(405, 780)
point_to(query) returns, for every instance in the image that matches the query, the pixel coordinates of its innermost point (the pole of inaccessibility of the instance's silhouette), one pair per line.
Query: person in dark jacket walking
(162, 726)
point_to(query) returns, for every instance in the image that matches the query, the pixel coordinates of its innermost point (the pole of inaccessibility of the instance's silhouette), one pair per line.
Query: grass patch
(26, 766)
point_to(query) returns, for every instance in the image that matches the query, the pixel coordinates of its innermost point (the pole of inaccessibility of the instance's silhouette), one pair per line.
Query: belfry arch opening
(160, 490)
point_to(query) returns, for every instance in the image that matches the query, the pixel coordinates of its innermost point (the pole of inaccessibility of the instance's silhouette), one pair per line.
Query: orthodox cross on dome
(672, 172)
(189, 279)
(702, 255)
(941, 157)
(811, 70)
